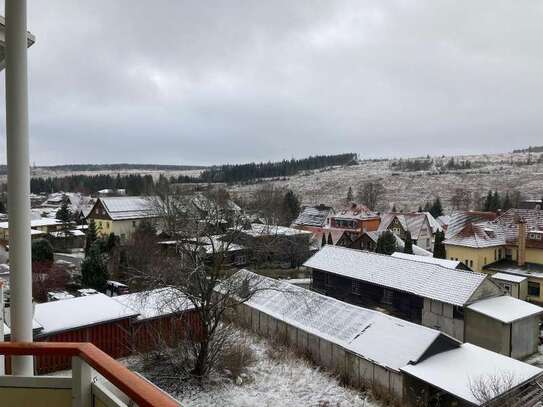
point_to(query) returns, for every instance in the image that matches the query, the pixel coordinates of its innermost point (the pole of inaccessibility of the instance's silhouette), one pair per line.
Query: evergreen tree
(291, 208)
(2, 207)
(330, 241)
(386, 243)
(394, 208)
(495, 202)
(439, 247)
(42, 251)
(64, 214)
(350, 195)
(408, 247)
(436, 209)
(507, 203)
(323, 242)
(487, 207)
(94, 272)
(91, 236)
(427, 207)
(420, 208)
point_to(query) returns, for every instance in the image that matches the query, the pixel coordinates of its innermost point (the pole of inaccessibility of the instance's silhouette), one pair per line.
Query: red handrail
(136, 388)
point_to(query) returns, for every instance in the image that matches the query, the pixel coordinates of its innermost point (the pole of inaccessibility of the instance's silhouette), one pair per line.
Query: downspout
(18, 181)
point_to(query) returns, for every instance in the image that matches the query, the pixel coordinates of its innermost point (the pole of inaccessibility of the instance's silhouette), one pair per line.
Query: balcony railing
(121, 387)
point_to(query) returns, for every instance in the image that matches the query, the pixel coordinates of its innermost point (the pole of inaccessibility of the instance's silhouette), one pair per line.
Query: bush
(237, 357)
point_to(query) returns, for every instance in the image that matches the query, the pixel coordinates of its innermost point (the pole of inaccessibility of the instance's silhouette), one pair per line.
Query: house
(313, 218)
(422, 292)
(511, 243)
(451, 264)
(353, 219)
(38, 228)
(421, 225)
(122, 215)
(368, 241)
(234, 255)
(443, 221)
(371, 349)
(472, 239)
(531, 204)
(513, 285)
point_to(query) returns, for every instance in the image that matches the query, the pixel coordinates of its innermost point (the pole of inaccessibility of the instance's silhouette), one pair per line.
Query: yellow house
(512, 243)
(122, 215)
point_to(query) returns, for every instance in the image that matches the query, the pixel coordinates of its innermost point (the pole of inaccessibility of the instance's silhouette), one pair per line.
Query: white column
(81, 383)
(18, 181)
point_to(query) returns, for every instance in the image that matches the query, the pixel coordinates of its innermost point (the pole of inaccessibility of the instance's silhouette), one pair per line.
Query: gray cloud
(229, 81)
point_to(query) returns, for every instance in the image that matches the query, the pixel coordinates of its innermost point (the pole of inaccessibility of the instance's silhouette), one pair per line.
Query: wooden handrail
(143, 393)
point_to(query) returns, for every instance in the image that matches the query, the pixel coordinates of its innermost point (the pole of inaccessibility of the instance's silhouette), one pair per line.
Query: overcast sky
(210, 82)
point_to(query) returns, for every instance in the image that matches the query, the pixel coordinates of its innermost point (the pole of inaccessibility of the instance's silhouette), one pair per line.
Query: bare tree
(371, 193)
(493, 389)
(199, 270)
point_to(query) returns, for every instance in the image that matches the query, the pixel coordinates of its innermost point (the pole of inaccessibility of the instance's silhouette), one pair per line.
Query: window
(458, 312)
(355, 287)
(327, 280)
(134, 223)
(388, 296)
(507, 288)
(495, 255)
(466, 262)
(123, 236)
(471, 263)
(534, 289)
(485, 260)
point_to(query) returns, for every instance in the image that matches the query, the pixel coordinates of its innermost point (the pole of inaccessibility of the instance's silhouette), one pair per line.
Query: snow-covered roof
(355, 211)
(380, 338)
(511, 267)
(505, 309)
(508, 277)
(258, 229)
(57, 316)
(423, 279)
(131, 207)
(533, 218)
(400, 244)
(478, 235)
(34, 223)
(459, 219)
(155, 303)
(452, 264)
(59, 295)
(71, 232)
(313, 216)
(457, 370)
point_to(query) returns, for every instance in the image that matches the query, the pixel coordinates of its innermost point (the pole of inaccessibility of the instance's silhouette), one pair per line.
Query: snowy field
(275, 381)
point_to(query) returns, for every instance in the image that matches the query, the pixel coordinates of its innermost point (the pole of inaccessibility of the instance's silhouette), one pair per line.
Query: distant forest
(136, 184)
(535, 149)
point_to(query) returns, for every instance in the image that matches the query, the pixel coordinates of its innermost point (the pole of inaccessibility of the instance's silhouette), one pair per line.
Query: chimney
(521, 242)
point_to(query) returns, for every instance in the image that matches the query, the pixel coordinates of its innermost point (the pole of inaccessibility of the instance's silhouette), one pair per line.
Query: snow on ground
(537, 358)
(275, 381)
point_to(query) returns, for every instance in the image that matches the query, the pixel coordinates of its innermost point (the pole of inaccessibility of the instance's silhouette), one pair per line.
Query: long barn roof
(423, 279)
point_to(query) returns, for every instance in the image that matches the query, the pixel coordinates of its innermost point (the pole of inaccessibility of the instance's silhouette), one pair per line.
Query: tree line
(135, 184)
(252, 171)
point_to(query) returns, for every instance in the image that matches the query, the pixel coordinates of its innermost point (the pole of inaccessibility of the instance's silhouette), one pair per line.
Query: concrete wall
(356, 370)
(439, 315)
(525, 337)
(478, 327)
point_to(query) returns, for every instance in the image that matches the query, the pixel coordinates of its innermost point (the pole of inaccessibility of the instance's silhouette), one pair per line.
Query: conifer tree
(439, 247)
(330, 241)
(291, 208)
(94, 272)
(91, 236)
(349, 195)
(507, 204)
(64, 214)
(386, 243)
(323, 242)
(408, 247)
(436, 209)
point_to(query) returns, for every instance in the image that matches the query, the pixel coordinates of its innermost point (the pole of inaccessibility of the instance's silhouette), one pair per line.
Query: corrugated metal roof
(425, 280)
(452, 264)
(313, 216)
(380, 338)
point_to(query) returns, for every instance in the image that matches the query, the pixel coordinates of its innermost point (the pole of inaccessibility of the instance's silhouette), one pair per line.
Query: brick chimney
(521, 242)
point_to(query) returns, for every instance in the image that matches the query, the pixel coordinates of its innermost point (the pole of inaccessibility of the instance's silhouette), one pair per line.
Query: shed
(513, 285)
(514, 325)
(95, 318)
(458, 372)
(160, 313)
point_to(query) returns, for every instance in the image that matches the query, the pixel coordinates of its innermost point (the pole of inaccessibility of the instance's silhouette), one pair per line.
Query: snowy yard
(275, 378)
